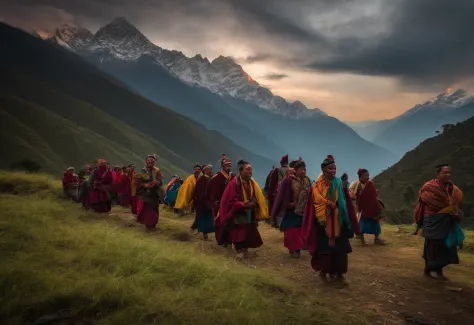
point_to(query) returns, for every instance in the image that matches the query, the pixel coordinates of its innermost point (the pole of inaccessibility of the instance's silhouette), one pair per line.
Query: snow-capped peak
(223, 76)
(449, 99)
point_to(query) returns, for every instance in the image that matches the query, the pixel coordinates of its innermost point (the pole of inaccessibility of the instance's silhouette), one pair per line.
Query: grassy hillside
(27, 131)
(68, 74)
(61, 261)
(455, 147)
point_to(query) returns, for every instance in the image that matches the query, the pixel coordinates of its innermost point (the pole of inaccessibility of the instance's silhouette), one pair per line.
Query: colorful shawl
(332, 220)
(234, 198)
(435, 199)
(184, 201)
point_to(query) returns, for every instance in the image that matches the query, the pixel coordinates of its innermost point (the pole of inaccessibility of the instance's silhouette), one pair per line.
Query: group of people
(319, 216)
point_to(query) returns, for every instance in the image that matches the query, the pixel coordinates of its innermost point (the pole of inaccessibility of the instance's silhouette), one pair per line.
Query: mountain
(40, 75)
(369, 130)
(123, 52)
(406, 131)
(401, 182)
(222, 76)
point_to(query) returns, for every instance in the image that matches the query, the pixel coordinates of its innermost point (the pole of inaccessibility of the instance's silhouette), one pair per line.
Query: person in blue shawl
(172, 190)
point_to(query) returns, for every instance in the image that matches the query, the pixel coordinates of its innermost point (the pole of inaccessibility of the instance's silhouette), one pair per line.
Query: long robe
(99, 196)
(122, 187)
(369, 208)
(435, 215)
(148, 200)
(243, 222)
(184, 201)
(71, 185)
(321, 225)
(203, 205)
(291, 190)
(216, 189)
(276, 177)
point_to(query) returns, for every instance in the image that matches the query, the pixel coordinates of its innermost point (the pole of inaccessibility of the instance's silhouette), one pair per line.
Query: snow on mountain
(447, 100)
(121, 40)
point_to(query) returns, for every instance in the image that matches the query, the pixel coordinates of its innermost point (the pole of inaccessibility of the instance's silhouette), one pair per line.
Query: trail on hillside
(387, 282)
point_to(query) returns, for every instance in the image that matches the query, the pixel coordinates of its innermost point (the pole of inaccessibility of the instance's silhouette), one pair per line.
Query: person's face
(150, 162)
(300, 172)
(197, 170)
(246, 171)
(132, 169)
(227, 167)
(101, 163)
(208, 171)
(330, 170)
(444, 175)
(364, 178)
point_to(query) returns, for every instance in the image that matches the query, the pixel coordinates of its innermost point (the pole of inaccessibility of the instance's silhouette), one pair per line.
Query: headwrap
(225, 160)
(70, 168)
(197, 165)
(205, 166)
(328, 161)
(361, 171)
(284, 159)
(152, 155)
(100, 161)
(295, 164)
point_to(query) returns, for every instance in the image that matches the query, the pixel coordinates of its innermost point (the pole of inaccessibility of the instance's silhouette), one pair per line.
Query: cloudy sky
(355, 59)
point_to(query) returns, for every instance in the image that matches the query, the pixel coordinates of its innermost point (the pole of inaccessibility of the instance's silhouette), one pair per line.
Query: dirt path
(386, 281)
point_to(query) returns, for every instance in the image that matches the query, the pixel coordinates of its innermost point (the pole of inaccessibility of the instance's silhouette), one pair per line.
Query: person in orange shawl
(216, 189)
(149, 181)
(437, 216)
(242, 207)
(184, 200)
(369, 206)
(327, 225)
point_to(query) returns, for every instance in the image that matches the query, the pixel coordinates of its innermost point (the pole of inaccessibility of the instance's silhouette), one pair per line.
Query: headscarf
(284, 160)
(152, 155)
(329, 160)
(225, 160)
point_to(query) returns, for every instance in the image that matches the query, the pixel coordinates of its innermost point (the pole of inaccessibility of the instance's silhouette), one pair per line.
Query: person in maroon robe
(122, 186)
(149, 182)
(276, 177)
(290, 202)
(71, 184)
(133, 189)
(202, 203)
(100, 182)
(215, 191)
(242, 207)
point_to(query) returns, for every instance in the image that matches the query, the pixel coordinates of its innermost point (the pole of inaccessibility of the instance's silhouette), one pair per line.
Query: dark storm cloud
(274, 76)
(429, 41)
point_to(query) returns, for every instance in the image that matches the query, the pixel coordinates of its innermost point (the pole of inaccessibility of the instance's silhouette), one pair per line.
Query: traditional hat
(284, 159)
(329, 160)
(225, 160)
(152, 155)
(241, 163)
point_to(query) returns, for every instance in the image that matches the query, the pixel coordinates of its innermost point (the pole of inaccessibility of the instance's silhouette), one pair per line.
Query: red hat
(284, 159)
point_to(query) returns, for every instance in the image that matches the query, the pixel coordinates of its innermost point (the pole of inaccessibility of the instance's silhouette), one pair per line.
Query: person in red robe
(71, 184)
(242, 207)
(149, 181)
(100, 182)
(133, 188)
(276, 177)
(202, 203)
(215, 191)
(290, 202)
(122, 186)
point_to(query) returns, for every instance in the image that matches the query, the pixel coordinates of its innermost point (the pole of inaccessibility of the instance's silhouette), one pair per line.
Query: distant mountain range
(60, 110)
(121, 40)
(406, 131)
(222, 97)
(402, 181)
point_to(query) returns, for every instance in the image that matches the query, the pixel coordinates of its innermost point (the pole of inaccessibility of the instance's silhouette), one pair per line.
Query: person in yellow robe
(184, 200)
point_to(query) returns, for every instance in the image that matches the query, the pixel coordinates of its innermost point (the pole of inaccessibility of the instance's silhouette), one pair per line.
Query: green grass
(56, 256)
